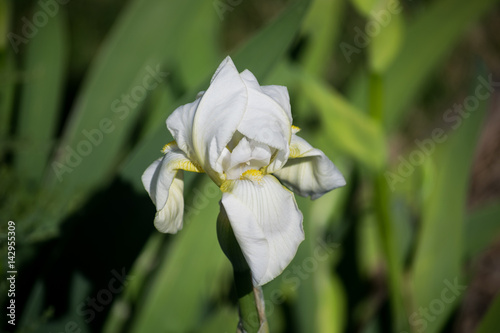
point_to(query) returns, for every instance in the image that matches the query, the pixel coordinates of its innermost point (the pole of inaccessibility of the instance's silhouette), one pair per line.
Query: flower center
(246, 155)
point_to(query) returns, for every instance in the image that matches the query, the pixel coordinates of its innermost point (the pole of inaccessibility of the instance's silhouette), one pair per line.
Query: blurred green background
(401, 95)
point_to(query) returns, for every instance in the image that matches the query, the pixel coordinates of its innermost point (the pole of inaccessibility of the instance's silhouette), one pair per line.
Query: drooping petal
(266, 119)
(169, 218)
(308, 171)
(164, 184)
(266, 222)
(219, 112)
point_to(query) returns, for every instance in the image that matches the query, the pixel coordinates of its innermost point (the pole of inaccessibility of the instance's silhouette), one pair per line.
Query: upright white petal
(219, 112)
(266, 119)
(180, 125)
(266, 222)
(308, 171)
(164, 184)
(280, 95)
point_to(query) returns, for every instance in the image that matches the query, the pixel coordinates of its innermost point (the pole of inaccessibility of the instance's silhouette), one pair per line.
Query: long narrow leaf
(42, 88)
(440, 248)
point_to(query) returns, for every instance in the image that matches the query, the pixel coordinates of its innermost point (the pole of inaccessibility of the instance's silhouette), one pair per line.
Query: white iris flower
(241, 135)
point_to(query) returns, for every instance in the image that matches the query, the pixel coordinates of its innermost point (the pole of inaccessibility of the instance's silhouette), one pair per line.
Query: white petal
(180, 125)
(159, 175)
(219, 112)
(169, 218)
(308, 171)
(164, 183)
(267, 224)
(280, 95)
(241, 153)
(266, 119)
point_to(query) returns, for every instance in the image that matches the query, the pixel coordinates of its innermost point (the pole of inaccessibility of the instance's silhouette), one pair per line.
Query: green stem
(249, 316)
(385, 223)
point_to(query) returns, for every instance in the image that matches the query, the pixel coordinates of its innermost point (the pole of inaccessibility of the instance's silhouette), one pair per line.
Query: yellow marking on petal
(294, 152)
(189, 166)
(227, 185)
(295, 129)
(168, 147)
(253, 175)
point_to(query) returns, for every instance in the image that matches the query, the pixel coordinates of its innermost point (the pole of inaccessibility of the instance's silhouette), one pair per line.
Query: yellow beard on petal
(252, 174)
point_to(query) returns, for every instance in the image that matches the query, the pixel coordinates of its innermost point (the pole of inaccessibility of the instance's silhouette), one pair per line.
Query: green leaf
(321, 29)
(482, 228)
(224, 320)
(41, 96)
(120, 315)
(332, 305)
(5, 13)
(198, 52)
(190, 273)
(427, 43)
(127, 68)
(385, 46)
(364, 6)
(439, 254)
(265, 50)
(350, 130)
(7, 89)
(491, 321)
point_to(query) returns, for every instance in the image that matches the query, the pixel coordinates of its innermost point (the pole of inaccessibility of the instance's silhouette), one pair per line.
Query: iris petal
(308, 171)
(267, 224)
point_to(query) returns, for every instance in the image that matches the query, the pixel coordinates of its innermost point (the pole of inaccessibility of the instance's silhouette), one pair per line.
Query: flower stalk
(251, 308)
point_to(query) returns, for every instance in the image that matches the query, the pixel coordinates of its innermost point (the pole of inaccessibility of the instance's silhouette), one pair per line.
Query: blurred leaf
(428, 40)
(264, 50)
(365, 6)
(482, 227)
(42, 90)
(224, 320)
(372, 9)
(7, 89)
(35, 319)
(491, 321)
(349, 130)
(126, 69)
(301, 279)
(388, 234)
(161, 101)
(427, 43)
(320, 302)
(198, 52)
(189, 273)
(120, 315)
(321, 29)
(332, 304)
(4, 23)
(438, 258)
(370, 252)
(385, 45)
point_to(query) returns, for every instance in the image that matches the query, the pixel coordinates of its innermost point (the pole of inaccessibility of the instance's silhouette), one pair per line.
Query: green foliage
(74, 143)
